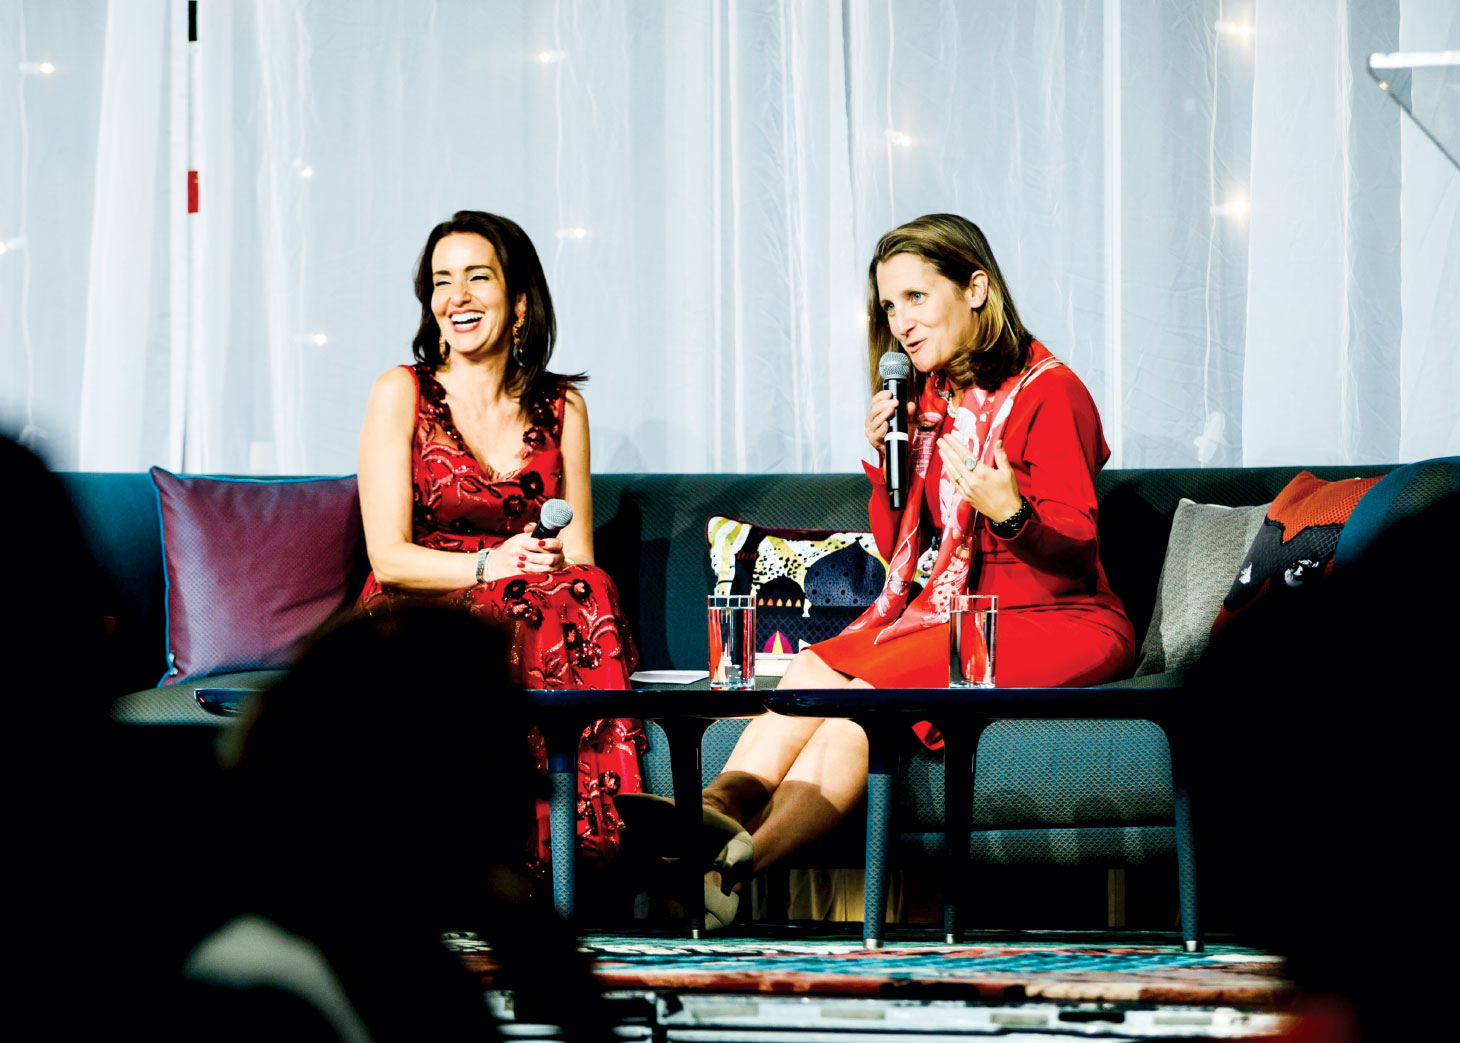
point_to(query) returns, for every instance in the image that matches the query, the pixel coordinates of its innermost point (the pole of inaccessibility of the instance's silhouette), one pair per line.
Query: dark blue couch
(1044, 791)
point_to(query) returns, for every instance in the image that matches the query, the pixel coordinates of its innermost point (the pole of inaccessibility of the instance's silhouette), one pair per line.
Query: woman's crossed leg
(791, 779)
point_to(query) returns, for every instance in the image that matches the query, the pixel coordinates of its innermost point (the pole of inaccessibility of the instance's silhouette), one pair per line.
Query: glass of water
(973, 633)
(732, 640)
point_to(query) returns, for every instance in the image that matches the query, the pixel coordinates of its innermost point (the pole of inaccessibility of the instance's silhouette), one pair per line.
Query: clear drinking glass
(972, 640)
(732, 640)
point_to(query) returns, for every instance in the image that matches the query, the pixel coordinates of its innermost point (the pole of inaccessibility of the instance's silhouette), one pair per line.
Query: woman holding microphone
(1005, 445)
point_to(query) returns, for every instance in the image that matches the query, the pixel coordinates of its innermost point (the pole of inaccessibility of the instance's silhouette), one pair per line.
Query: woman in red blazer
(1006, 445)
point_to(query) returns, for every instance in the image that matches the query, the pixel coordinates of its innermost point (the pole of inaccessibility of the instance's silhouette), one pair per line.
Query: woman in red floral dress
(458, 454)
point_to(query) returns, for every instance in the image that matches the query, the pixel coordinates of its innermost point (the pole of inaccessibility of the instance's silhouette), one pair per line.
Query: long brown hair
(527, 372)
(956, 248)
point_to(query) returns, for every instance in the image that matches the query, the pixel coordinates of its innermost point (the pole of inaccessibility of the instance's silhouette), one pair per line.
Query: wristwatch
(1010, 526)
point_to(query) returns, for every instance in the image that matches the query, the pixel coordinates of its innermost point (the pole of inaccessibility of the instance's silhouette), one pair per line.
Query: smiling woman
(459, 453)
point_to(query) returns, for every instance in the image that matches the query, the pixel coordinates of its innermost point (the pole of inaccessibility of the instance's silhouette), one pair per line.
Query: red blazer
(1055, 444)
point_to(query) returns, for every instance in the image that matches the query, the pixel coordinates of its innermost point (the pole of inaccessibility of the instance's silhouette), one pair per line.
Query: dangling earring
(443, 347)
(517, 343)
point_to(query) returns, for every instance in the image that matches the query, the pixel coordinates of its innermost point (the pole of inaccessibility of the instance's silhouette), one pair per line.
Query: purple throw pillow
(253, 567)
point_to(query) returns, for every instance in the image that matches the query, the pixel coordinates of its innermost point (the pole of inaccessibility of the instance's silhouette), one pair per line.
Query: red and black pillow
(1296, 543)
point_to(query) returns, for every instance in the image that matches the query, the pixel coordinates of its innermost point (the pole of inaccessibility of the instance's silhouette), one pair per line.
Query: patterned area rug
(1224, 975)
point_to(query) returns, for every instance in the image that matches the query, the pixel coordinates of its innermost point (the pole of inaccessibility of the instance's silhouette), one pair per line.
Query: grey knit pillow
(1207, 546)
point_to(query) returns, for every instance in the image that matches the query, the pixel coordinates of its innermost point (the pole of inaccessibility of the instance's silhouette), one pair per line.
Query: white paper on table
(668, 676)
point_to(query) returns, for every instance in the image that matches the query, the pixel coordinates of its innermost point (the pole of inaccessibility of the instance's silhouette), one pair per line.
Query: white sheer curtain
(1207, 209)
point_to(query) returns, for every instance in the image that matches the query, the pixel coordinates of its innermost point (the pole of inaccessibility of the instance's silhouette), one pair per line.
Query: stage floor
(811, 984)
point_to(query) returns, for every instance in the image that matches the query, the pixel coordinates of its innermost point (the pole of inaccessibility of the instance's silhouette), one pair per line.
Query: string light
(1243, 29)
(898, 138)
(36, 68)
(320, 340)
(549, 57)
(12, 245)
(1232, 208)
(578, 232)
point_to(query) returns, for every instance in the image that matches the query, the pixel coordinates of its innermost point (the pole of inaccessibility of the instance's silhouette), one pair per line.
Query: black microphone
(894, 369)
(555, 516)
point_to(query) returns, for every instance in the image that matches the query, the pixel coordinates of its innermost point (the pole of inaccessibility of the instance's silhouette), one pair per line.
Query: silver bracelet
(482, 556)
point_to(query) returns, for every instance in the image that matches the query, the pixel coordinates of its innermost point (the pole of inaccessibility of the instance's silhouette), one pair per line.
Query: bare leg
(790, 779)
(826, 781)
(769, 745)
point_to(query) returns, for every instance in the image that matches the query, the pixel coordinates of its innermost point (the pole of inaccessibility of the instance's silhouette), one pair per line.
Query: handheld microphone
(894, 368)
(555, 516)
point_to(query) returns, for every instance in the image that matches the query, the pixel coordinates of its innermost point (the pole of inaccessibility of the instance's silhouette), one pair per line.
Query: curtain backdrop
(1208, 209)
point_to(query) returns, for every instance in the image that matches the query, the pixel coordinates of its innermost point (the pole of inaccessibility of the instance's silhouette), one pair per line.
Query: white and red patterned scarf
(978, 423)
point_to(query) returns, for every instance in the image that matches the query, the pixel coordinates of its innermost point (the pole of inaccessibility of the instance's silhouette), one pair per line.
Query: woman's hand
(883, 406)
(525, 553)
(993, 491)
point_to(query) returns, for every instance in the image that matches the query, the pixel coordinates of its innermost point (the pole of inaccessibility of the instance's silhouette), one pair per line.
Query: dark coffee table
(683, 711)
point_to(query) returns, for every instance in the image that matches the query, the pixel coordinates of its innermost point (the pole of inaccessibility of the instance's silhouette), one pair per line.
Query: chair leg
(563, 823)
(879, 821)
(1181, 800)
(1191, 939)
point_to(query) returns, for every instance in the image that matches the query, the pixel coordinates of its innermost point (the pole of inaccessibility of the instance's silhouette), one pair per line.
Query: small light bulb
(1383, 85)
(320, 339)
(898, 138)
(548, 57)
(580, 232)
(47, 68)
(37, 68)
(306, 172)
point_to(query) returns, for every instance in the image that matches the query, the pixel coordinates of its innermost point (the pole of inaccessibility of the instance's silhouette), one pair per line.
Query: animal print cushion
(808, 583)
(1296, 541)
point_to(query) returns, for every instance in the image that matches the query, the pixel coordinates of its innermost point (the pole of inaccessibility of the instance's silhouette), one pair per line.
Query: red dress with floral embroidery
(566, 626)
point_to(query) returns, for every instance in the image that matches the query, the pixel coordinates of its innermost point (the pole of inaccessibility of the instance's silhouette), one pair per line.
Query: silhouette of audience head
(389, 774)
(1324, 763)
(385, 794)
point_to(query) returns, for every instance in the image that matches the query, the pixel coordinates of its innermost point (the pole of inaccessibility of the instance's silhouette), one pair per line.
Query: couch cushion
(1296, 541)
(1207, 545)
(252, 567)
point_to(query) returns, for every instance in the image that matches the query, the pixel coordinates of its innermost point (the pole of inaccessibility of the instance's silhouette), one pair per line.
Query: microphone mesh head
(894, 366)
(555, 514)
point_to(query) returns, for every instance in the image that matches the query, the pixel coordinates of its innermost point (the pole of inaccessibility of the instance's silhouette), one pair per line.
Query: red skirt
(1035, 648)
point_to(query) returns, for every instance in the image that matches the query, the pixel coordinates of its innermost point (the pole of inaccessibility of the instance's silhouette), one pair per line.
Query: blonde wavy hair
(954, 246)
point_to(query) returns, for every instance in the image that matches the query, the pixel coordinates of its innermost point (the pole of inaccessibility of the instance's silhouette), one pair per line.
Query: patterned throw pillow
(808, 583)
(252, 567)
(1207, 543)
(1296, 542)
